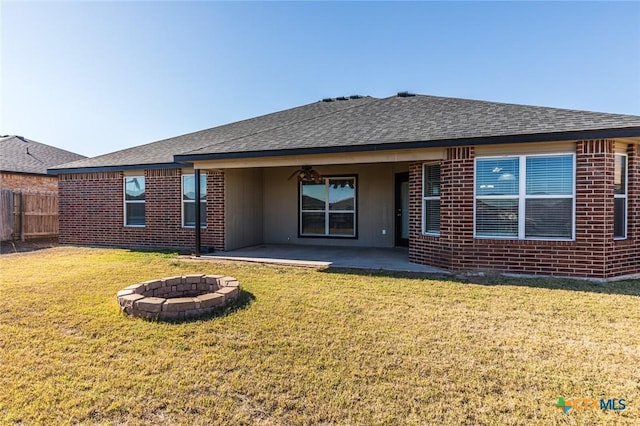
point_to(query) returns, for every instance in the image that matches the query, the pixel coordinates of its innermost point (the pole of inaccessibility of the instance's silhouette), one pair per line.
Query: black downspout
(196, 176)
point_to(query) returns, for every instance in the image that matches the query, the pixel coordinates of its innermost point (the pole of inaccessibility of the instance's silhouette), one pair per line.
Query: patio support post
(196, 176)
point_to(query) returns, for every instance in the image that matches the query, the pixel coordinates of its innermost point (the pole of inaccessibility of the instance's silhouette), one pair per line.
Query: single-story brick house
(24, 164)
(465, 184)
(28, 194)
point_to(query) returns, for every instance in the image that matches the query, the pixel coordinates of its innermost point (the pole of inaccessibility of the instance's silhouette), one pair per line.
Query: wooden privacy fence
(27, 214)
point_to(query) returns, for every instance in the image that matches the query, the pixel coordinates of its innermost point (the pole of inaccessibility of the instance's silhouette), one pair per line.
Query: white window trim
(326, 210)
(428, 198)
(624, 197)
(183, 201)
(522, 198)
(125, 201)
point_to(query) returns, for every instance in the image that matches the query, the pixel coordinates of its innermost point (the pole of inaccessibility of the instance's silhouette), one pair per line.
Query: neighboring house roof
(365, 123)
(22, 155)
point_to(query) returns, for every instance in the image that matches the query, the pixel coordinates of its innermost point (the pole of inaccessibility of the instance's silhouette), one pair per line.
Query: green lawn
(310, 347)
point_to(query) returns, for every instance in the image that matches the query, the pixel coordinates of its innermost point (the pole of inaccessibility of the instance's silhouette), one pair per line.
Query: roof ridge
(371, 99)
(513, 104)
(388, 123)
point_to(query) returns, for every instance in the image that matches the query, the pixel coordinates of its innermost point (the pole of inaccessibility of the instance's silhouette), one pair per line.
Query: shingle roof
(162, 152)
(370, 123)
(396, 120)
(22, 155)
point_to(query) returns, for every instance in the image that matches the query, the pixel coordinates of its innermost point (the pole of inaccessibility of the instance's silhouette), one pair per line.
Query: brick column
(633, 193)
(595, 163)
(456, 203)
(215, 209)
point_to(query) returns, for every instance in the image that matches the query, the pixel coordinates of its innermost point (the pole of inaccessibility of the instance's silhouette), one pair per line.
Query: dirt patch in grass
(311, 347)
(9, 247)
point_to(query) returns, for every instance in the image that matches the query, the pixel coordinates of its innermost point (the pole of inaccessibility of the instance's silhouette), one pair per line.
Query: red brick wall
(428, 250)
(456, 210)
(24, 182)
(92, 211)
(215, 209)
(594, 253)
(625, 255)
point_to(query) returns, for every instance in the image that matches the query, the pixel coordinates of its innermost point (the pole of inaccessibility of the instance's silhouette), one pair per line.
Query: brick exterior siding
(92, 211)
(594, 252)
(625, 255)
(26, 182)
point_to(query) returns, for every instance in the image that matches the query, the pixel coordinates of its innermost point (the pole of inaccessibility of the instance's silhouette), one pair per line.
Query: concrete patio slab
(386, 259)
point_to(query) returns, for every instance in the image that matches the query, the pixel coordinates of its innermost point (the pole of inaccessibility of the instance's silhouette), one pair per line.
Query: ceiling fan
(307, 174)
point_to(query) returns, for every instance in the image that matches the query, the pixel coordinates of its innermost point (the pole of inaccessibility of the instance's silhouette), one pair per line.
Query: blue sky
(98, 77)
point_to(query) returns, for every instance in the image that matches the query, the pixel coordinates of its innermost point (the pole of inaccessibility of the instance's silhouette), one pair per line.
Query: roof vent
(405, 94)
(342, 98)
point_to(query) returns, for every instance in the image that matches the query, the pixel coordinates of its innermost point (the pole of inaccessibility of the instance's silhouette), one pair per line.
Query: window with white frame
(525, 197)
(620, 194)
(431, 199)
(328, 208)
(189, 200)
(134, 203)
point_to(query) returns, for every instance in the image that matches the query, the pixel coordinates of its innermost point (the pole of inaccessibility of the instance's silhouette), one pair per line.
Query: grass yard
(311, 347)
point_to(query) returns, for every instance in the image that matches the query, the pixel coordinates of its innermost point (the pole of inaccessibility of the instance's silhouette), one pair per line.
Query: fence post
(6, 215)
(16, 216)
(22, 216)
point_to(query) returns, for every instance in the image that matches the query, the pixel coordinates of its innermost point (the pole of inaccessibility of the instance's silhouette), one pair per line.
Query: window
(431, 199)
(189, 200)
(328, 208)
(620, 200)
(525, 197)
(134, 201)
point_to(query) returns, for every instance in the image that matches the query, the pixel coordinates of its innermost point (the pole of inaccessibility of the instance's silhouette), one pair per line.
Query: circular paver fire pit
(177, 298)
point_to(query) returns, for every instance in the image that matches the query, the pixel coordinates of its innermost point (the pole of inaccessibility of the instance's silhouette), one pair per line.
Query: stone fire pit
(177, 298)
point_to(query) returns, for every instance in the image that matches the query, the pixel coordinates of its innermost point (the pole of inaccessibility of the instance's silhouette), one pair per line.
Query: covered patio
(385, 259)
